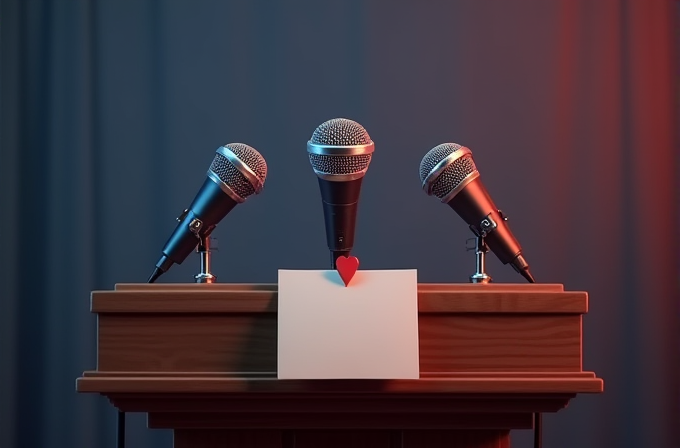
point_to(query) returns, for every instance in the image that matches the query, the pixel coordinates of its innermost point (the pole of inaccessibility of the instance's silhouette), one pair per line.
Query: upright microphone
(448, 172)
(236, 172)
(340, 151)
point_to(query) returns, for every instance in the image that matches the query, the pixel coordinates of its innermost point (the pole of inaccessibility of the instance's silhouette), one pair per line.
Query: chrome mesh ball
(436, 155)
(340, 164)
(340, 132)
(453, 175)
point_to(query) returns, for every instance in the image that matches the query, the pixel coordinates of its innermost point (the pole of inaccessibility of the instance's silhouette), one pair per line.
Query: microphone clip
(485, 226)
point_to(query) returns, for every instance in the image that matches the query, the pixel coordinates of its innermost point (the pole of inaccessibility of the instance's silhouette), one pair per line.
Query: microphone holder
(204, 249)
(481, 250)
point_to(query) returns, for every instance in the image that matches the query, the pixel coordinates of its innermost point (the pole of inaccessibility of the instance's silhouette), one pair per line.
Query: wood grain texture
(272, 375)
(232, 328)
(536, 287)
(468, 385)
(255, 298)
(324, 401)
(243, 342)
(195, 286)
(198, 301)
(502, 302)
(478, 343)
(187, 342)
(524, 287)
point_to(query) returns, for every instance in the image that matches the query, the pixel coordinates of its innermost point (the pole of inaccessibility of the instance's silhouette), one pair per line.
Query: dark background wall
(112, 110)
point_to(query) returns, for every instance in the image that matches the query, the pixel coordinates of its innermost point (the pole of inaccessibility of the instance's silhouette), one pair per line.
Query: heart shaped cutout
(347, 267)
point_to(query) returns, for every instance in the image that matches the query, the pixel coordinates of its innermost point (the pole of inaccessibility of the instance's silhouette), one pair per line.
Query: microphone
(448, 172)
(340, 151)
(236, 172)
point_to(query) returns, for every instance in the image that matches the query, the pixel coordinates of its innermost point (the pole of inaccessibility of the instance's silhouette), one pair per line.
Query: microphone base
(480, 278)
(205, 250)
(205, 278)
(481, 249)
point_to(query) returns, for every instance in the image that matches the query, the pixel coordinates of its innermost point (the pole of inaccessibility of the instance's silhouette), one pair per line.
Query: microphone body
(340, 151)
(207, 209)
(478, 210)
(340, 202)
(236, 172)
(448, 172)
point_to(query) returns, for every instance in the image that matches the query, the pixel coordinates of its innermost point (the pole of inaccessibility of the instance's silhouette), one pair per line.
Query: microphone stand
(480, 249)
(204, 249)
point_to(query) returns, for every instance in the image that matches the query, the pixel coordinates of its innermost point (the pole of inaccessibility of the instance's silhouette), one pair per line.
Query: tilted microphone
(340, 151)
(236, 172)
(448, 172)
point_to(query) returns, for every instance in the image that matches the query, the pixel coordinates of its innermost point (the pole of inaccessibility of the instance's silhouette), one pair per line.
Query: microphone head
(446, 169)
(239, 170)
(340, 150)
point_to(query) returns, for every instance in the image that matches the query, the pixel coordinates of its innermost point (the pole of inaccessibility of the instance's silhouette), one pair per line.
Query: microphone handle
(208, 208)
(340, 203)
(474, 204)
(340, 222)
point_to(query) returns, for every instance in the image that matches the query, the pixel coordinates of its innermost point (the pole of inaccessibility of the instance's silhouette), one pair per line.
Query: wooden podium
(201, 359)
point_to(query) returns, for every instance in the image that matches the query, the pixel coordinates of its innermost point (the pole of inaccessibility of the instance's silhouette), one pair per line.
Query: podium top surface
(262, 298)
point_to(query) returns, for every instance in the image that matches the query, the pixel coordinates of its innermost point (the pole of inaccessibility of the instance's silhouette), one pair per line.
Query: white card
(366, 330)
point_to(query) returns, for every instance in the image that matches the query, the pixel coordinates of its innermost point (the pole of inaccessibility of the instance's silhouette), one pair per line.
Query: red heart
(347, 267)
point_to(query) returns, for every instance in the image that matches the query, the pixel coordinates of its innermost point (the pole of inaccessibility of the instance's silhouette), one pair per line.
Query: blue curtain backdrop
(112, 110)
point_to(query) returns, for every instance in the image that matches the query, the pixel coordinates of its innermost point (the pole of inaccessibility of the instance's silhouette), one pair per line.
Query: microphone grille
(250, 157)
(436, 155)
(453, 175)
(232, 176)
(340, 132)
(340, 165)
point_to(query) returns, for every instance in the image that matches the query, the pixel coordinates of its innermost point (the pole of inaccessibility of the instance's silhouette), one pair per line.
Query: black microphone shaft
(340, 202)
(156, 273)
